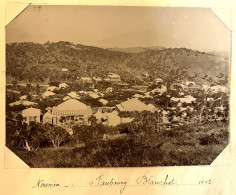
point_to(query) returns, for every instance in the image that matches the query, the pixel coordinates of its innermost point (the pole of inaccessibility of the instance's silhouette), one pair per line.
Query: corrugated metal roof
(132, 105)
(31, 112)
(71, 107)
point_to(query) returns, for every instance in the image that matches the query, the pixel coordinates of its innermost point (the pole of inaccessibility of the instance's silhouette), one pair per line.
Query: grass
(186, 145)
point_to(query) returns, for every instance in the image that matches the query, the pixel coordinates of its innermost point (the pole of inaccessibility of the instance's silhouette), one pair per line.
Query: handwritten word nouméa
(43, 184)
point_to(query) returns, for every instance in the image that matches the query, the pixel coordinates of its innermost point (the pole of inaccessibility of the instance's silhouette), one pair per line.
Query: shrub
(209, 139)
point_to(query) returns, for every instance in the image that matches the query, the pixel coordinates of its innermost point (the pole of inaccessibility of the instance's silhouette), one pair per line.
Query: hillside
(41, 62)
(136, 49)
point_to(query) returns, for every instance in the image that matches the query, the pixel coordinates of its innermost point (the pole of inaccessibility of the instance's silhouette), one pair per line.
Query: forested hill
(40, 62)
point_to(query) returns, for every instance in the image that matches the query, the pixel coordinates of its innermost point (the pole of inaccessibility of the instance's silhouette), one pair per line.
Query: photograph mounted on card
(117, 86)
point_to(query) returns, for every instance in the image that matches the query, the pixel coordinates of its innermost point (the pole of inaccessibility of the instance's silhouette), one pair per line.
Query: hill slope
(40, 62)
(136, 49)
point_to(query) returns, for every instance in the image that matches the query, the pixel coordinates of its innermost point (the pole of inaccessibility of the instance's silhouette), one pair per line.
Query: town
(178, 105)
(101, 108)
(159, 107)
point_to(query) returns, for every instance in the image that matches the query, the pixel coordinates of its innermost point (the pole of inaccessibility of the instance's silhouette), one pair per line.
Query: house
(73, 94)
(107, 80)
(109, 90)
(146, 75)
(86, 79)
(147, 95)
(219, 88)
(94, 95)
(47, 94)
(24, 97)
(47, 118)
(103, 101)
(158, 80)
(16, 103)
(63, 85)
(152, 108)
(175, 85)
(113, 119)
(190, 86)
(110, 118)
(160, 90)
(113, 77)
(31, 115)
(23, 102)
(138, 96)
(64, 69)
(132, 105)
(205, 87)
(97, 79)
(126, 120)
(187, 99)
(71, 111)
(189, 83)
(112, 136)
(66, 98)
(52, 88)
(210, 99)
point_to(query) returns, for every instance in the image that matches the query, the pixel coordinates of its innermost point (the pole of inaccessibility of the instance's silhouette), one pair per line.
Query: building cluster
(74, 112)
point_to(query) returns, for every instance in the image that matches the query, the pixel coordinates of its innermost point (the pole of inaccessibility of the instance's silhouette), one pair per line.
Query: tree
(28, 86)
(82, 133)
(85, 133)
(37, 89)
(14, 83)
(30, 136)
(56, 135)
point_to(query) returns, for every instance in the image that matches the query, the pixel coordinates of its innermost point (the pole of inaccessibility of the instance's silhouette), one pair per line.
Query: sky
(109, 27)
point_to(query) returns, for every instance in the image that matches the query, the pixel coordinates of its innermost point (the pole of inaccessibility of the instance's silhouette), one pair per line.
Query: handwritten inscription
(151, 180)
(205, 181)
(42, 184)
(100, 181)
(144, 180)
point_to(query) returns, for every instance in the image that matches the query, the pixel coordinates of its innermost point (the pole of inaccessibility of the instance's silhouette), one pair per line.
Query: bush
(209, 139)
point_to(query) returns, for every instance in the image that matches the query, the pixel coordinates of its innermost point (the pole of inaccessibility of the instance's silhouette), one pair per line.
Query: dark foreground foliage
(186, 145)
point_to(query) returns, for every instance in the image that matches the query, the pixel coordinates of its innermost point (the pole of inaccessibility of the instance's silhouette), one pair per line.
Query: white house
(94, 95)
(138, 95)
(103, 101)
(23, 102)
(24, 97)
(132, 105)
(47, 118)
(48, 93)
(160, 90)
(31, 114)
(63, 85)
(152, 108)
(113, 77)
(187, 99)
(52, 88)
(71, 110)
(73, 94)
(109, 90)
(86, 79)
(158, 80)
(97, 79)
(64, 69)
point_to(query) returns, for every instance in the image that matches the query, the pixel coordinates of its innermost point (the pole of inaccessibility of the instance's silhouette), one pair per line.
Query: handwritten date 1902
(205, 181)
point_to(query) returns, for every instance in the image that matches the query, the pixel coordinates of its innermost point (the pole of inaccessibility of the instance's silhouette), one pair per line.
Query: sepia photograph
(117, 86)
